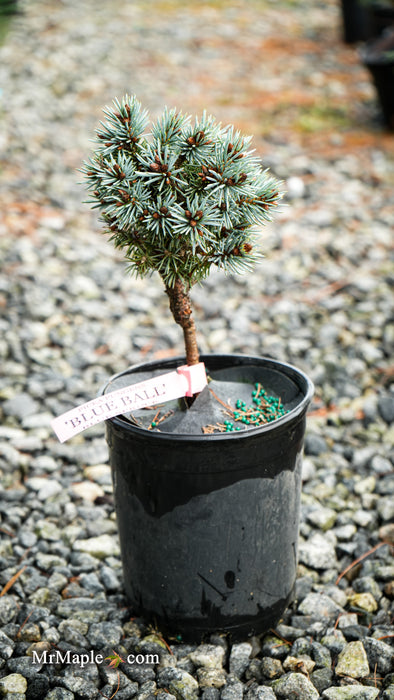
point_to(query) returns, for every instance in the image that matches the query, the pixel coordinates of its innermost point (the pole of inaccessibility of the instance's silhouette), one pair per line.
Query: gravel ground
(70, 317)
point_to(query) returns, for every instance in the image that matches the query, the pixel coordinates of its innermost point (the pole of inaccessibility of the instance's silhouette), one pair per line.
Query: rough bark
(182, 312)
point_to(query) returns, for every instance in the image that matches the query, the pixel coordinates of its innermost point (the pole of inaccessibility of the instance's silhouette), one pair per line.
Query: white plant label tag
(184, 381)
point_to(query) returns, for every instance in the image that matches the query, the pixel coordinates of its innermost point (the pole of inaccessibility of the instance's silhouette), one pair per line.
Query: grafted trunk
(181, 309)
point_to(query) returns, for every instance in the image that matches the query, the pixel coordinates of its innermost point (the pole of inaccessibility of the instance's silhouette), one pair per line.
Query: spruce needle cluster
(188, 195)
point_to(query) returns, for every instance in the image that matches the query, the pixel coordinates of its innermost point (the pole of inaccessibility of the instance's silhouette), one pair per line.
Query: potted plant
(206, 488)
(378, 56)
(365, 19)
(380, 16)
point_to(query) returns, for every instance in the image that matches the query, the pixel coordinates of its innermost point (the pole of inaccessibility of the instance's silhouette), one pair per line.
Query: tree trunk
(182, 312)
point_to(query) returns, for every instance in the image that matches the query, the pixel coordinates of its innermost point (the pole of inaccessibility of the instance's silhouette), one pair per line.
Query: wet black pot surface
(208, 524)
(378, 57)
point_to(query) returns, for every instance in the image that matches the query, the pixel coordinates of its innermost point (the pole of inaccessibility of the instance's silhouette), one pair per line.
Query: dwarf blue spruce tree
(177, 200)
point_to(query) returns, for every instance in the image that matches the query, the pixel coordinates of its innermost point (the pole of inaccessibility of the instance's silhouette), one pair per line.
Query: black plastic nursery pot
(208, 524)
(355, 21)
(378, 57)
(380, 18)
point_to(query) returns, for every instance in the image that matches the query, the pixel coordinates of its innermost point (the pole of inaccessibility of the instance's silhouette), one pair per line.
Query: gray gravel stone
(13, 684)
(260, 693)
(100, 547)
(367, 584)
(104, 634)
(301, 663)
(74, 632)
(20, 406)
(295, 686)
(211, 677)
(147, 691)
(23, 665)
(179, 682)
(8, 609)
(80, 686)
(322, 518)
(270, 647)
(210, 694)
(208, 656)
(321, 678)
(44, 463)
(91, 583)
(59, 694)
(380, 654)
(47, 562)
(386, 509)
(12, 456)
(352, 661)
(109, 579)
(143, 673)
(232, 691)
(27, 538)
(253, 672)
(38, 687)
(363, 602)
(386, 408)
(271, 668)
(321, 655)
(320, 606)
(115, 678)
(334, 640)
(318, 552)
(351, 692)
(315, 444)
(239, 658)
(6, 646)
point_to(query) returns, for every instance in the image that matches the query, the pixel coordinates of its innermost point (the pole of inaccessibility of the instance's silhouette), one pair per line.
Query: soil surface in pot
(235, 398)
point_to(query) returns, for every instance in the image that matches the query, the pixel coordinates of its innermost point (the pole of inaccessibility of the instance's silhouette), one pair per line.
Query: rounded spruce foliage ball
(186, 196)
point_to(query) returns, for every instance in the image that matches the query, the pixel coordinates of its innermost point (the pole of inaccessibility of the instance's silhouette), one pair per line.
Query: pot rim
(171, 363)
